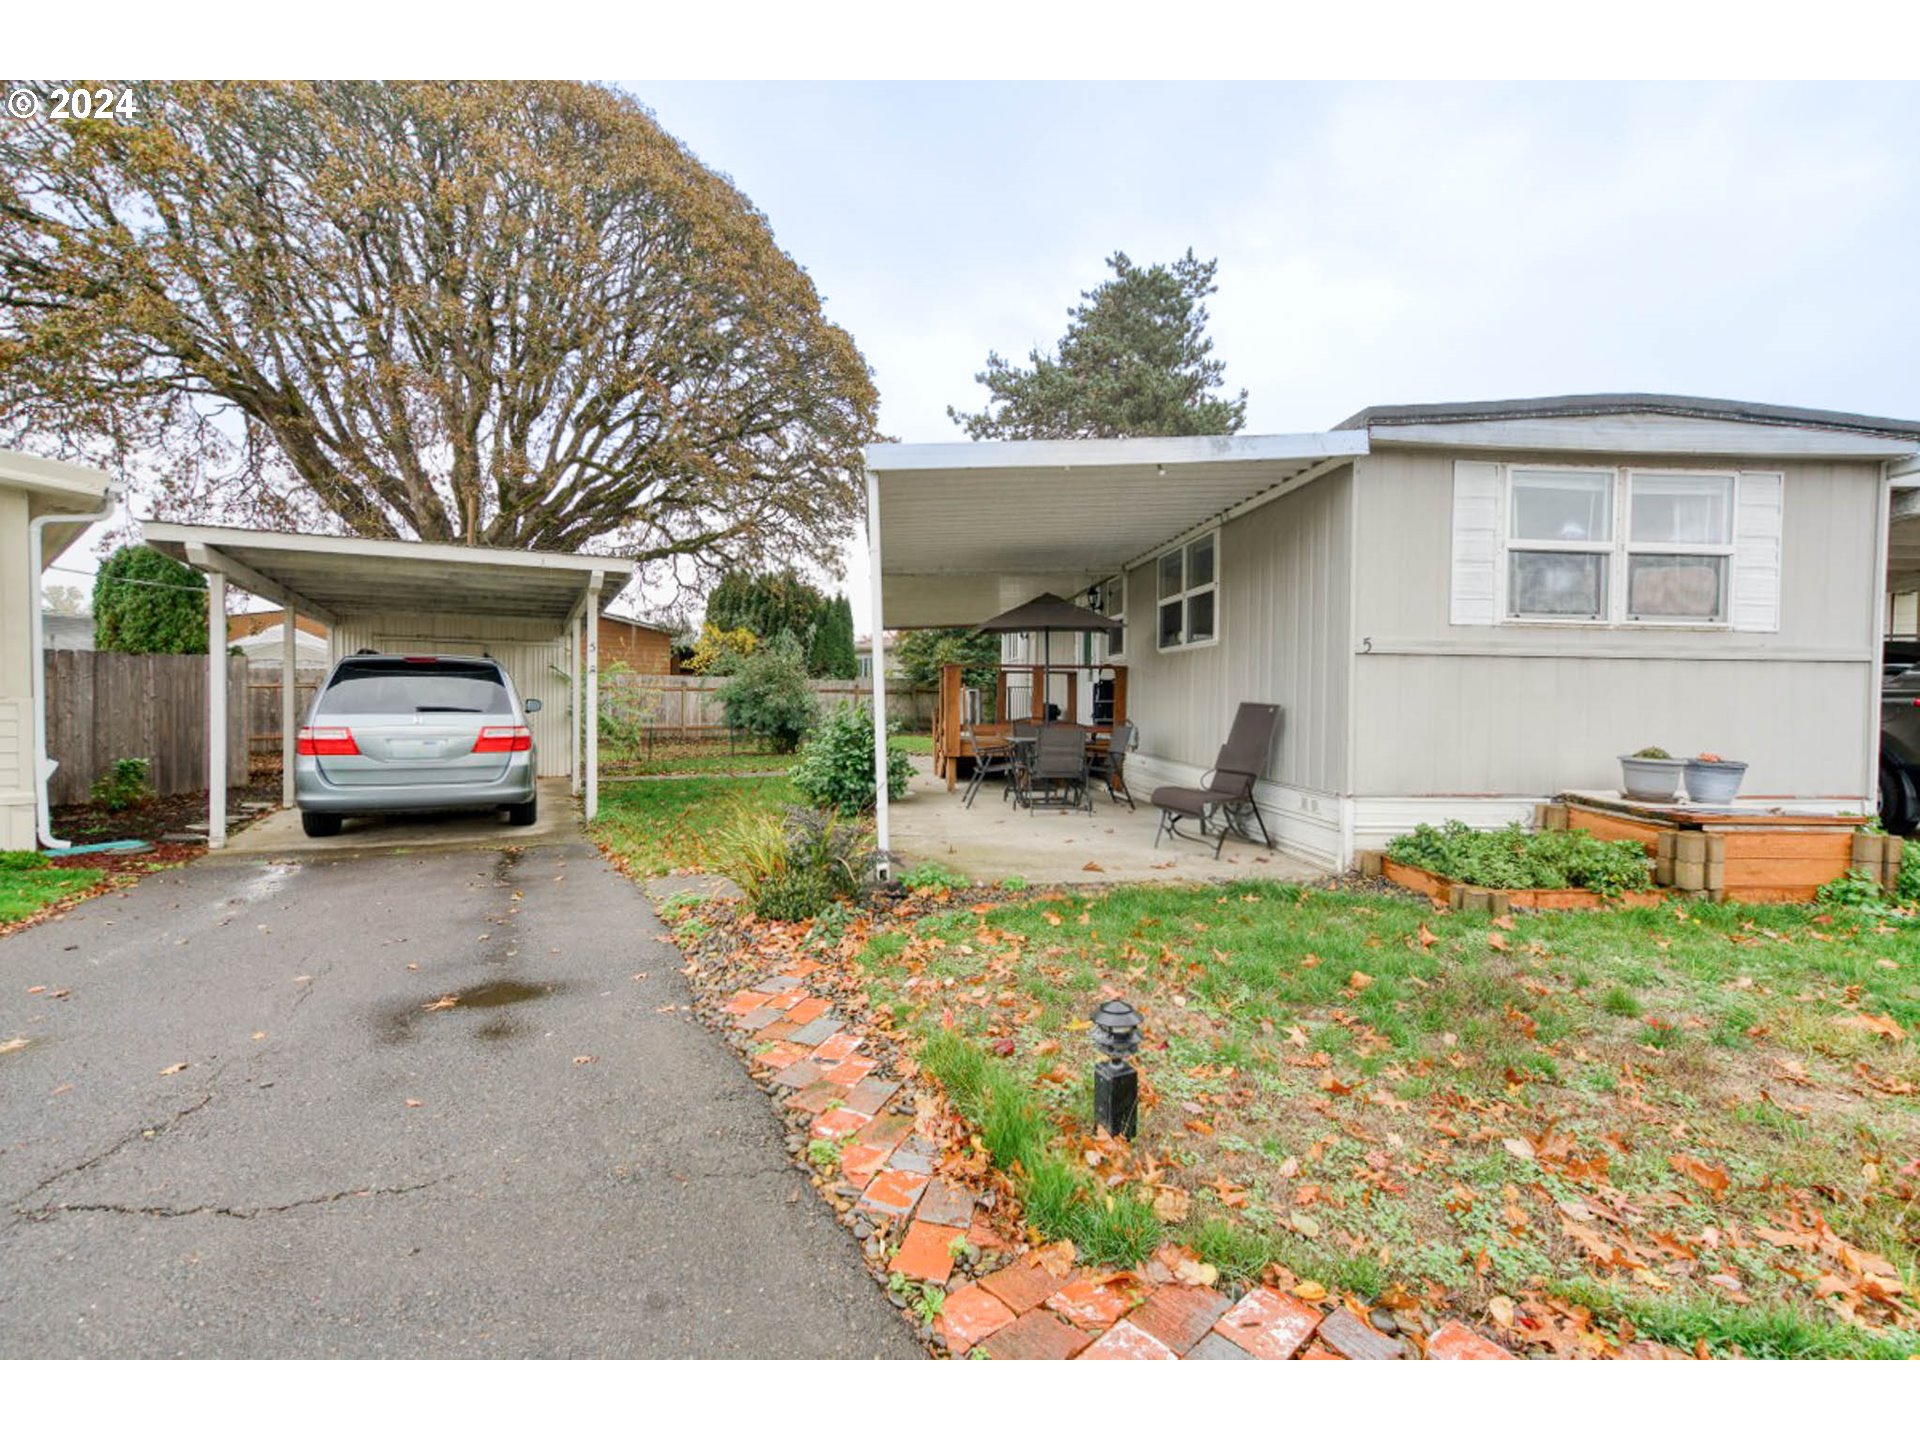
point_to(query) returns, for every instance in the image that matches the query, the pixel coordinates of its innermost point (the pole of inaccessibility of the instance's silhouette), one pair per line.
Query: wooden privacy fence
(103, 707)
(263, 704)
(685, 705)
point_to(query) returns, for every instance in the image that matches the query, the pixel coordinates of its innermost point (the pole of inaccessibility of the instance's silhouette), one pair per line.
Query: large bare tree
(499, 314)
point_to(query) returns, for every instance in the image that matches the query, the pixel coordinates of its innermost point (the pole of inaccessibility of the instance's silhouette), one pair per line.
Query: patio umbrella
(1043, 615)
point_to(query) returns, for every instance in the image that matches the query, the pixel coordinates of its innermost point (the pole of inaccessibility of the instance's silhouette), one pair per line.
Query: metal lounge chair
(1059, 763)
(1225, 794)
(1110, 765)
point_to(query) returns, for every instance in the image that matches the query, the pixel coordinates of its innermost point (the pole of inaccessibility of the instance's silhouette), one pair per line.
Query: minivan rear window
(397, 686)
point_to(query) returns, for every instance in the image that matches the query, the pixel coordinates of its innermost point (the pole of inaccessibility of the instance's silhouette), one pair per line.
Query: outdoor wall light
(1116, 1084)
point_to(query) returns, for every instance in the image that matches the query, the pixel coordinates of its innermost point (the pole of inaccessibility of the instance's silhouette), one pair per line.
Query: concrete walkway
(247, 1122)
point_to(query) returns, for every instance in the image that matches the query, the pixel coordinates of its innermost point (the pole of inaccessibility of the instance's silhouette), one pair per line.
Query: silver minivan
(415, 732)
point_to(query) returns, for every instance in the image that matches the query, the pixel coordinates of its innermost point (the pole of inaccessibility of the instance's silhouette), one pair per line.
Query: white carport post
(882, 820)
(216, 710)
(590, 618)
(573, 704)
(289, 702)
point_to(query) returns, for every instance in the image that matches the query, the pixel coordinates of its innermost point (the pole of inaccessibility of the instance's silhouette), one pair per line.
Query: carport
(526, 609)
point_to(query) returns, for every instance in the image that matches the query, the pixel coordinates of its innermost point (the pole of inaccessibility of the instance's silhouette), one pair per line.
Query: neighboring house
(863, 657)
(1462, 609)
(65, 632)
(261, 643)
(29, 488)
(639, 646)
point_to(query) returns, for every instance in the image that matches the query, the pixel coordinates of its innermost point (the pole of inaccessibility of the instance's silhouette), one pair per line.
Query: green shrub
(835, 770)
(17, 860)
(124, 786)
(768, 695)
(1513, 859)
(796, 865)
(1907, 890)
(932, 875)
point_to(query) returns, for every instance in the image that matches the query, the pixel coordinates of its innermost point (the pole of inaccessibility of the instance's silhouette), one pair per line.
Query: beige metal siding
(528, 650)
(1505, 710)
(1285, 638)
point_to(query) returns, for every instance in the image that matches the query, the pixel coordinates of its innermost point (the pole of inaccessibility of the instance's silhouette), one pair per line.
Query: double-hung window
(1616, 546)
(1559, 543)
(1679, 546)
(1188, 589)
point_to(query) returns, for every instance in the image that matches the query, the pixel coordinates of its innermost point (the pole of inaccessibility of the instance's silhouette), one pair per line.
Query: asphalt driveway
(238, 1129)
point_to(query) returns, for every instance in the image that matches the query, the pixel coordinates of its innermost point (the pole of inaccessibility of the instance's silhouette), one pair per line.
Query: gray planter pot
(1714, 782)
(1642, 779)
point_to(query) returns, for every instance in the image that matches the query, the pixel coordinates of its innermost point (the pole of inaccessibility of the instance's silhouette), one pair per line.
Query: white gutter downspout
(43, 764)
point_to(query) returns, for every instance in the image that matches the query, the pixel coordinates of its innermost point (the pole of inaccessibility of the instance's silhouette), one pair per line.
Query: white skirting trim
(1307, 823)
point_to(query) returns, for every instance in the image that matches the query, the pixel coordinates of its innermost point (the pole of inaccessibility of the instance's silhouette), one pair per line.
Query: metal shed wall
(531, 651)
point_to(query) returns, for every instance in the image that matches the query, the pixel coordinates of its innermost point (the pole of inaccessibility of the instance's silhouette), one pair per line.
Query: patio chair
(993, 755)
(1021, 738)
(1110, 764)
(1059, 764)
(1225, 793)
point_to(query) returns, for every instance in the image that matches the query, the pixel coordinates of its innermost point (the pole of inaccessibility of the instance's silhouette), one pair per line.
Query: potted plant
(1713, 781)
(1650, 774)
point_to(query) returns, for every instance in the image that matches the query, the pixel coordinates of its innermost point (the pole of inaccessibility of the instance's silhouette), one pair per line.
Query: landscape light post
(1116, 1084)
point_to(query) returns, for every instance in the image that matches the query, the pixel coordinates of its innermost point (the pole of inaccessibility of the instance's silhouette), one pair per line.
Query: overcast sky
(1378, 244)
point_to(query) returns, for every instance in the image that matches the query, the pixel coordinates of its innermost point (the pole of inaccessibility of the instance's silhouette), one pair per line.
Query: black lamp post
(1116, 1084)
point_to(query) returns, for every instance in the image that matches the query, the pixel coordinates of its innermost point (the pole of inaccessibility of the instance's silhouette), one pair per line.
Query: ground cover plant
(1518, 859)
(29, 883)
(653, 827)
(1699, 1124)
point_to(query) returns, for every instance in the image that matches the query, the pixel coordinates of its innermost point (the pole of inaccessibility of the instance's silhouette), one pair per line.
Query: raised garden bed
(1456, 896)
(1750, 855)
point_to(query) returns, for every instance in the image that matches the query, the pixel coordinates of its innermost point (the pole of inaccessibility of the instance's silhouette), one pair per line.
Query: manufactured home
(1462, 609)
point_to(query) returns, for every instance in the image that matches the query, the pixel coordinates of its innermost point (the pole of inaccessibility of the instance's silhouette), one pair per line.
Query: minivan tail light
(502, 738)
(325, 740)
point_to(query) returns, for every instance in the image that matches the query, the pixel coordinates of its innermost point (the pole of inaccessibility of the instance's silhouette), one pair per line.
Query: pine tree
(1135, 360)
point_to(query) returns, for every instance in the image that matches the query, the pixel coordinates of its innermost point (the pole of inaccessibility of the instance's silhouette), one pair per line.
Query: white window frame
(1617, 550)
(1187, 593)
(1630, 547)
(1509, 544)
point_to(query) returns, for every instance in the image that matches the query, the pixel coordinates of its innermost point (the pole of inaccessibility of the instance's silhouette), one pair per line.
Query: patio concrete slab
(996, 841)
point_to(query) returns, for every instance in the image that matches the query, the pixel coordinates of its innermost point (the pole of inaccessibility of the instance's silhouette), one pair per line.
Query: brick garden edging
(903, 1188)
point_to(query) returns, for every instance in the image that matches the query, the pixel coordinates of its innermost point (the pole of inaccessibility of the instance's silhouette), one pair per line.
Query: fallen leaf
(1709, 1177)
(583, 1059)
(259, 1034)
(1056, 1259)
(1359, 980)
(1095, 866)
(445, 1002)
(18, 1042)
(1501, 1309)
(415, 1104)
(1310, 1290)
(174, 1069)
(1427, 937)
(1171, 1204)
(1520, 1147)
(1874, 1024)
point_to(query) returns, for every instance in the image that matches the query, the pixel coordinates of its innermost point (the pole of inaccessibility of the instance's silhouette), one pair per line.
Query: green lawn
(1699, 1121)
(655, 826)
(28, 884)
(912, 744)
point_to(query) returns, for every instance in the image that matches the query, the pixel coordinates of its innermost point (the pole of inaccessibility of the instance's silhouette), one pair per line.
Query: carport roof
(331, 577)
